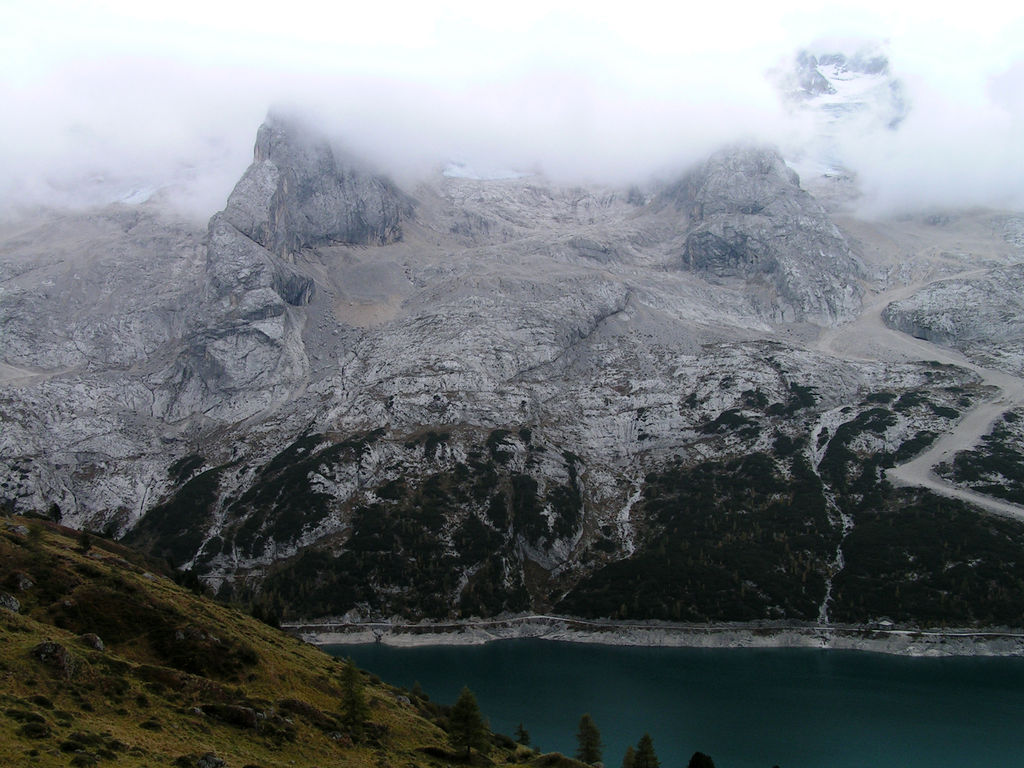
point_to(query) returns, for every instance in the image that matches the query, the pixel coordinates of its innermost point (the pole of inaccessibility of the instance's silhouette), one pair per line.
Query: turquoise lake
(746, 708)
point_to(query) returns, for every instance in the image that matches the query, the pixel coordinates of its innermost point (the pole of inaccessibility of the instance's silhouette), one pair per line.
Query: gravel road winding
(868, 338)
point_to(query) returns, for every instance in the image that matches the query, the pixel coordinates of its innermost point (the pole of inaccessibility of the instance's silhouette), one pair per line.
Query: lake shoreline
(882, 638)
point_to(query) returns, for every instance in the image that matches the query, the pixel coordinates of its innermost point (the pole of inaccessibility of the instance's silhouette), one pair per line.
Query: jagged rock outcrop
(867, 61)
(751, 220)
(809, 81)
(301, 191)
(248, 353)
(845, 98)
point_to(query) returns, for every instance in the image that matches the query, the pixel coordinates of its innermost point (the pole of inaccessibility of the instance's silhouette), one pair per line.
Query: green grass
(179, 675)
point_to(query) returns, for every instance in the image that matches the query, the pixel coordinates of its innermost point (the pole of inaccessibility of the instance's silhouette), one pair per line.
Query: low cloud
(116, 102)
(948, 152)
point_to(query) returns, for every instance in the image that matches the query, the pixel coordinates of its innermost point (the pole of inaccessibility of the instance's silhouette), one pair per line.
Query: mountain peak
(750, 218)
(841, 90)
(302, 191)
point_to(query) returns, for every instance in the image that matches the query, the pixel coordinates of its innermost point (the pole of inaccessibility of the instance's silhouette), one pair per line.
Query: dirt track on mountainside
(868, 338)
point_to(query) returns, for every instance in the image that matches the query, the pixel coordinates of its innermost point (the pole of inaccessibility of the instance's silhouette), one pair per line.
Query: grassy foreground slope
(104, 661)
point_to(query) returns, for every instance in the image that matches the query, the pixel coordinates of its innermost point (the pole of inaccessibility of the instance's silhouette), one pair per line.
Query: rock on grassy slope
(104, 660)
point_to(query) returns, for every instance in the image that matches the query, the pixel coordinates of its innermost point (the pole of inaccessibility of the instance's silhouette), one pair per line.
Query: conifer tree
(522, 736)
(645, 756)
(588, 739)
(629, 759)
(353, 705)
(467, 724)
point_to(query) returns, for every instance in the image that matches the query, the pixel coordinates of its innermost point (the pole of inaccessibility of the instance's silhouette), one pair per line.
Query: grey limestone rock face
(300, 191)
(751, 220)
(98, 291)
(9, 603)
(520, 294)
(981, 315)
(247, 353)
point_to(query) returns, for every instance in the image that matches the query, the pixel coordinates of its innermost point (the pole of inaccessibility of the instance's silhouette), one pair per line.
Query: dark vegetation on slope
(921, 558)
(404, 554)
(104, 660)
(737, 540)
(413, 543)
(996, 466)
(749, 537)
(175, 529)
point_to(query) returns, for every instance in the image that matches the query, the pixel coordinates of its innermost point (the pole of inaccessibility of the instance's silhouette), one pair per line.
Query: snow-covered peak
(838, 96)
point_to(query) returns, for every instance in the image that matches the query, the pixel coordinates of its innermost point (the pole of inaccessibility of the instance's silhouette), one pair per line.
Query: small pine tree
(190, 581)
(522, 736)
(645, 756)
(629, 759)
(354, 710)
(588, 739)
(467, 724)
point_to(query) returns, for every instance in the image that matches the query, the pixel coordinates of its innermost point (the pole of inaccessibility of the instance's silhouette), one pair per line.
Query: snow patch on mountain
(838, 96)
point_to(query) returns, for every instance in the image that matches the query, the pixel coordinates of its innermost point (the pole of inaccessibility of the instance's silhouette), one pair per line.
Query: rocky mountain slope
(979, 313)
(479, 396)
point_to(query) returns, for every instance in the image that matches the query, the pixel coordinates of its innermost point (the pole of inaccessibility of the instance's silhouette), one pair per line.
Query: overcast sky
(151, 91)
